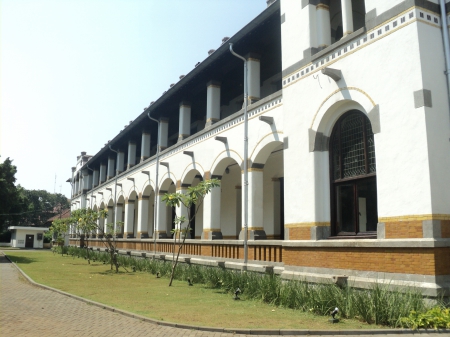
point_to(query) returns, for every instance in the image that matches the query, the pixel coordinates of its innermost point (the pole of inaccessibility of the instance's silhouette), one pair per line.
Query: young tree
(86, 223)
(194, 196)
(59, 230)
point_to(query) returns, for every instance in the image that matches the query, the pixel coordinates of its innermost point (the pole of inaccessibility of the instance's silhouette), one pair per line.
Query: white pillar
(184, 128)
(212, 103)
(111, 172)
(85, 181)
(90, 181)
(145, 145)
(95, 178)
(100, 227)
(276, 207)
(163, 133)
(254, 79)
(129, 219)
(161, 221)
(239, 215)
(131, 154)
(102, 173)
(347, 17)
(323, 26)
(255, 205)
(120, 161)
(143, 217)
(211, 214)
(109, 218)
(119, 211)
(182, 210)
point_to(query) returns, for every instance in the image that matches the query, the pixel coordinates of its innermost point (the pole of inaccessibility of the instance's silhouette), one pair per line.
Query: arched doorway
(353, 177)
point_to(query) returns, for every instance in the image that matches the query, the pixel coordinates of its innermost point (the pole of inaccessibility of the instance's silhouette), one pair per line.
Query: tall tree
(11, 196)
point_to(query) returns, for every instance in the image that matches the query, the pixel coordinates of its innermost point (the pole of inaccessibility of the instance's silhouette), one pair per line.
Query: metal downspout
(245, 158)
(155, 215)
(115, 193)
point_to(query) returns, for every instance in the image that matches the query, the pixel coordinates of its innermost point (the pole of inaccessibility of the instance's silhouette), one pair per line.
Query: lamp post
(245, 157)
(115, 194)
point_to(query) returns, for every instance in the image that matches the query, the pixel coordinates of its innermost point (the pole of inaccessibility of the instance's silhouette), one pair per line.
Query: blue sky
(74, 72)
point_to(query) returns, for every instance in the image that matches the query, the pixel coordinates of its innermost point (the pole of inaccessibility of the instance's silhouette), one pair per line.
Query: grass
(146, 295)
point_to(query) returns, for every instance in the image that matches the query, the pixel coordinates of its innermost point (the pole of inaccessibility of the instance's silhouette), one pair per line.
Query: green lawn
(146, 295)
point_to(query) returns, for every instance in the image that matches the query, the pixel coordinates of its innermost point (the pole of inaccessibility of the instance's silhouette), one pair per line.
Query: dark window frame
(337, 178)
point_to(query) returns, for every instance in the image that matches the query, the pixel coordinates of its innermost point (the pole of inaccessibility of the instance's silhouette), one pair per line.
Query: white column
(95, 178)
(212, 103)
(102, 173)
(255, 205)
(184, 126)
(323, 26)
(90, 181)
(109, 218)
(182, 210)
(73, 182)
(276, 207)
(119, 211)
(120, 161)
(161, 221)
(145, 145)
(211, 215)
(131, 154)
(129, 219)
(254, 78)
(347, 17)
(163, 133)
(143, 217)
(110, 172)
(239, 215)
(85, 180)
(100, 227)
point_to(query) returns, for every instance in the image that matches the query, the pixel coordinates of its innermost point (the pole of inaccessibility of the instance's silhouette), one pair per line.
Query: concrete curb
(237, 331)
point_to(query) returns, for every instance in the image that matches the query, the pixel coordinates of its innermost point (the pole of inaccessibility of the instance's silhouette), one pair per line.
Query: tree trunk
(178, 254)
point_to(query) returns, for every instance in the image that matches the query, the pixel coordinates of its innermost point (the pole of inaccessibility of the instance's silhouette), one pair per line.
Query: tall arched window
(353, 177)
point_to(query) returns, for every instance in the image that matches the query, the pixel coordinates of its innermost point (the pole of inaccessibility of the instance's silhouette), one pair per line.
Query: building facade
(348, 147)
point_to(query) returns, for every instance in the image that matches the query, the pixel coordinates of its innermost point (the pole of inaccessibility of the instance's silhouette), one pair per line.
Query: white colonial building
(348, 147)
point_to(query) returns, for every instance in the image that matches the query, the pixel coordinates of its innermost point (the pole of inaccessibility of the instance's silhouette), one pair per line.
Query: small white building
(27, 237)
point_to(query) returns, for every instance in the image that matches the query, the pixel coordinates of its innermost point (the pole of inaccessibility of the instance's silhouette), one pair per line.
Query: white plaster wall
(437, 118)
(381, 5)
(19, 239)
(388, 75)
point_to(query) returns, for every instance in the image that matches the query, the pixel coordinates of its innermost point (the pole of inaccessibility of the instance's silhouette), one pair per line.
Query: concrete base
(215, 235)
(254, 235)
(320, 232)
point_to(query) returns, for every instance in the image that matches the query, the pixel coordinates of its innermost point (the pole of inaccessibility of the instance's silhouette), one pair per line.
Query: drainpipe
(155, 213)
(245, 158)
(115, 194)
(446, 44)
(92, 189)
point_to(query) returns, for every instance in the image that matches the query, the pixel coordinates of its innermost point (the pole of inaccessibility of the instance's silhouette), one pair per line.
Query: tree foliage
(21, 207)
(12, 199)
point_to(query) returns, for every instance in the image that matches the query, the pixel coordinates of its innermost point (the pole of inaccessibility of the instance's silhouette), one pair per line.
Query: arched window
(353, 177)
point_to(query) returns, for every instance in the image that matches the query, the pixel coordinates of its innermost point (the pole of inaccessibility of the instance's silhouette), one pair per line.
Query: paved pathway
(27, 311)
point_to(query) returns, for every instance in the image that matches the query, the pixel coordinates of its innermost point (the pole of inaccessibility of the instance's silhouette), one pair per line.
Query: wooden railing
(270, 251)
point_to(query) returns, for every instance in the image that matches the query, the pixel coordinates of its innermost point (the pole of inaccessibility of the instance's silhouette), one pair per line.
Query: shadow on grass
(20, 259)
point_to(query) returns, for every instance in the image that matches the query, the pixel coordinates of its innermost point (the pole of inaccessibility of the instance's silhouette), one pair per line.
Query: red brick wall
(425, 261)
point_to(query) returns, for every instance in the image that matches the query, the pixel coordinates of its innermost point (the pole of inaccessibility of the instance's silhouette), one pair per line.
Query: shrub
(436, 318)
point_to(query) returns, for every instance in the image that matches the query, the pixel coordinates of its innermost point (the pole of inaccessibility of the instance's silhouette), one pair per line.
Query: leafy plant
(435, 318)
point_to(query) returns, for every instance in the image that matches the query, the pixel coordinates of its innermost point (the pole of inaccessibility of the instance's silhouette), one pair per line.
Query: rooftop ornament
(181, 77)
(225, 39)
(197, 64)
(211, 51)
